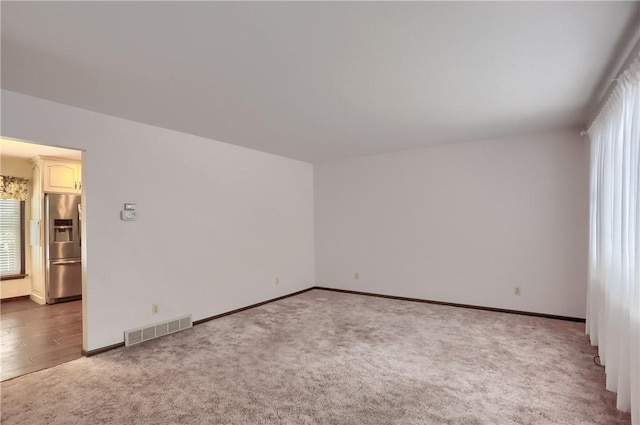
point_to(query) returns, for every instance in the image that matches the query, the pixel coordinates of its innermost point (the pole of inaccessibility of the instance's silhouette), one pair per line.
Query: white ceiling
(320, 80)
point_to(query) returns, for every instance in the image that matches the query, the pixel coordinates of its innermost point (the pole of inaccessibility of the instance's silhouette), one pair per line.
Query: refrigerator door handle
(63, 262)
(79, 224)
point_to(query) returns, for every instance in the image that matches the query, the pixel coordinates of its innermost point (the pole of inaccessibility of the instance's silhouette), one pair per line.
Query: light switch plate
(34, 232)
(128, 215)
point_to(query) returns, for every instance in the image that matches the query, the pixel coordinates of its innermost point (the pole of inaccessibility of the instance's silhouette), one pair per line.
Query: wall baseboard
(198, 322)
(18, 298)
(475, 307)
(38, 299)
(102, 349)
(238, 310)
(346, 291)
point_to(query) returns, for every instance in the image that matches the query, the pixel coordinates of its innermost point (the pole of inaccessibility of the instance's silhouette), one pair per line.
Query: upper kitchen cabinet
(61, 176)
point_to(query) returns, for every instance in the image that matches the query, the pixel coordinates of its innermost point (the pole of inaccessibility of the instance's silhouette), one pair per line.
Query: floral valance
(13, 188)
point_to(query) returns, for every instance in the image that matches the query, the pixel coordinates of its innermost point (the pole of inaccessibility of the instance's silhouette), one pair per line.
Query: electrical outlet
(516, 291)
(277, 281)
(154, 309)
(356, 276)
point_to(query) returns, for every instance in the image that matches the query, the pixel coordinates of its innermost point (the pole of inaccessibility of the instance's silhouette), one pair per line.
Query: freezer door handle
(63, 262)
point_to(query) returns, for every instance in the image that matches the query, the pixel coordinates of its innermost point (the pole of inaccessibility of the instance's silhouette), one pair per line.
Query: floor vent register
(145, 333)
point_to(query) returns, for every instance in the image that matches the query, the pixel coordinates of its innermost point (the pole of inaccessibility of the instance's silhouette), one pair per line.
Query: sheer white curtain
(613, 307)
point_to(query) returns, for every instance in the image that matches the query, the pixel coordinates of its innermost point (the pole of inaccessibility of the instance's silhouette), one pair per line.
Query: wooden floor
(35, 337)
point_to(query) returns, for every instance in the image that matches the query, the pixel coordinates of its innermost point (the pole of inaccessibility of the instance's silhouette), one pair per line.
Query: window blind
(10, 237)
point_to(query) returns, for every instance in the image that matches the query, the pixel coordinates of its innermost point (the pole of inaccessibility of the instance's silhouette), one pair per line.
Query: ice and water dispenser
(62, 230)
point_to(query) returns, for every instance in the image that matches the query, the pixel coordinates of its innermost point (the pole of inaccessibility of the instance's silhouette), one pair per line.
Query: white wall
(462, 223)
(216, 223)
(18, 167)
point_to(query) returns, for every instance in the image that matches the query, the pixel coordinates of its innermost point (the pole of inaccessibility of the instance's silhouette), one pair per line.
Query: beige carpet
(330, 358)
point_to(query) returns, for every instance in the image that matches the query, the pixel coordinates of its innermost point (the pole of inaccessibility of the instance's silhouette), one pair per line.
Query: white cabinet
(61, 176)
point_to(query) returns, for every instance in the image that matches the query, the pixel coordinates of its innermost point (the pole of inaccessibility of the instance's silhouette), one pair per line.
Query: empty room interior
(320, 212)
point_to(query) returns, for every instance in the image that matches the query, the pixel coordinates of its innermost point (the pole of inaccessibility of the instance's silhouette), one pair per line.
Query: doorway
(36, 331)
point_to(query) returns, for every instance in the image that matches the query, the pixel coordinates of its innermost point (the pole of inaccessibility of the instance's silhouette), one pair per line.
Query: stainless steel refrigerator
(63, 247)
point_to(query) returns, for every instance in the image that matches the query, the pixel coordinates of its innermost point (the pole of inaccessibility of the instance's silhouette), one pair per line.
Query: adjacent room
(321, 212)
(41, 312)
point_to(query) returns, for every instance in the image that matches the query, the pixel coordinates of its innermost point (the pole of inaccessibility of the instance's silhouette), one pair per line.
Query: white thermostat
(129, 212)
